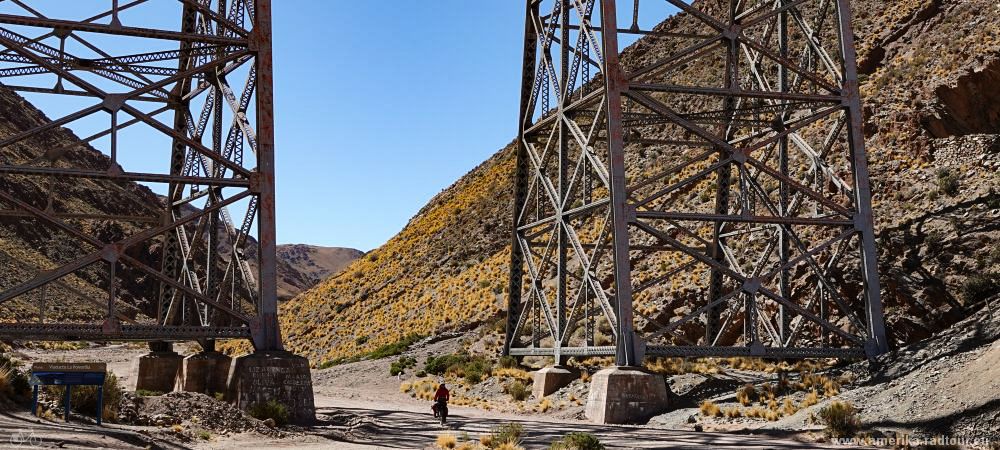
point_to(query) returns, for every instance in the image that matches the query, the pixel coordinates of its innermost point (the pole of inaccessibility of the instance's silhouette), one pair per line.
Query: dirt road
(377, 426)
(360, 411)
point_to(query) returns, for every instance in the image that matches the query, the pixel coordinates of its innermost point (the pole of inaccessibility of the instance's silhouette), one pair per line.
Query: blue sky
(381, 105)
(378, 105)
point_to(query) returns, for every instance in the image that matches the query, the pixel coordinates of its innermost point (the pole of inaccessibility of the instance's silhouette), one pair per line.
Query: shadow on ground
(406, 429)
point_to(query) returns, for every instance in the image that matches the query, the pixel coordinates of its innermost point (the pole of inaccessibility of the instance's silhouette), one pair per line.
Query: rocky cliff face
(928, 82)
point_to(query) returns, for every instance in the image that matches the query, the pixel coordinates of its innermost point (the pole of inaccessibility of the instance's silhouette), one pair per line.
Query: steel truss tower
(156, 77)
(704, 192)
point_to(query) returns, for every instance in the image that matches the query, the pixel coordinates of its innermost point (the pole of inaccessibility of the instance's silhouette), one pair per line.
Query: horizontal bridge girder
(765, 352)
(123, 31)
(124, 176)
(78, 332)
(735, 218)
(567, 351)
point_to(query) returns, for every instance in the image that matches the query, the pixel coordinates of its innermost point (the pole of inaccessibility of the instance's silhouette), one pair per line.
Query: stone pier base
(281, 376)
(625, 395)
(157, 371)
(551, 379)
(205, 372)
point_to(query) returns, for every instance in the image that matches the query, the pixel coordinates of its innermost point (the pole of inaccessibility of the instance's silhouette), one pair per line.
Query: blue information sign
(69, 375)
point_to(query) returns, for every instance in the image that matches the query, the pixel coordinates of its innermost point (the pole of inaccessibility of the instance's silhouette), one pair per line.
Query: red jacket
(442, 394)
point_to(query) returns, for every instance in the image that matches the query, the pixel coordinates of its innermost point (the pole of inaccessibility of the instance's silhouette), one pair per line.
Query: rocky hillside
(26, 248)
(930, 72)
(301, 266)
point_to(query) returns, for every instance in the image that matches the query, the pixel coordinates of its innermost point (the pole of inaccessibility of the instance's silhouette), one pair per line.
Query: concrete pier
(158, 369)
(620, 395)
(551, 379)
(205, 372)
(281, 376)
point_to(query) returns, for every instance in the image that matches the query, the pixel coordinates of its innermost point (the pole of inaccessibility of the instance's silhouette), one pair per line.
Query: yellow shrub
(710, 409)
(446, 441)
(788, 408)
(812, 398)
(746, 394)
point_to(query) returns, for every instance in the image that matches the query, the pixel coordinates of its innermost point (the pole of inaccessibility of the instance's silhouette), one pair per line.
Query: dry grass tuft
(811, 399)
(788, 408)
(446, 440)
(710, 409)
(746, 395)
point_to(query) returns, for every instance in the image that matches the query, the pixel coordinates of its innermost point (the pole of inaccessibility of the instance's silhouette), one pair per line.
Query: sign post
(69, 375)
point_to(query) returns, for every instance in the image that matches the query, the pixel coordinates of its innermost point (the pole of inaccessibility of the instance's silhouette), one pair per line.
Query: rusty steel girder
(202, 274)
(701, 192)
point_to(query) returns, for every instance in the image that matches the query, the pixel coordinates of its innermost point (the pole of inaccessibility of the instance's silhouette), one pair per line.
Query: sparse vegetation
(508, 362)
(517, 390)
(811, 399)
(710, 409)
(948, 182)
(980, 287)
(508, 434)
(470, 368)
(446, 440)
(577, 441)
(13, 381)
(147, 393)
(746, 395)
(841, 419)
(384, 351)
(83, 399)
(400, 365)
(270, 410)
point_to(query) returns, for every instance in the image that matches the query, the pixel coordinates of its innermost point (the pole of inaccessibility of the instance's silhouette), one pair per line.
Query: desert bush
(980, 287)
(471, 368)
(517, 390)
(788, 407)
(831, 388)
(437, 365)
(733, 412)
(508, 362)
(13, 383)
(841, 419)
(812, 398)
(401, 364)
(746, 394)
(395, 348)
(948, 182)
(515, 373)
(710, 409)
(270, 410)
(506, 434)
(577, 441)
(446, 440)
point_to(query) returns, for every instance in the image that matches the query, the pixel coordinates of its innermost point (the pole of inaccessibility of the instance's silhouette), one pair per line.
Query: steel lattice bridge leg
(192, 249)
(704, 194)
